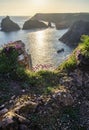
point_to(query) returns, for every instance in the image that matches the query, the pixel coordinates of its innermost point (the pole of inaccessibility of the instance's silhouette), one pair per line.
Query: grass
(72, 62)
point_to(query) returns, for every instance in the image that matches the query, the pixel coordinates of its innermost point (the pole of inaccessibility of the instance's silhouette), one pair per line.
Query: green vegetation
(73, 60)
(69, 64)
(85, 46)
(8, 60)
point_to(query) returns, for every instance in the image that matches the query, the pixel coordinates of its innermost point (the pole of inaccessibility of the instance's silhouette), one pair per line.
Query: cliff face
(8, 25)
(72, 37)
(62, 20)
(33, 24)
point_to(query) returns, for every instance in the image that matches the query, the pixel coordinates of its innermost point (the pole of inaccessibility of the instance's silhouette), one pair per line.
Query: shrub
(8, 60)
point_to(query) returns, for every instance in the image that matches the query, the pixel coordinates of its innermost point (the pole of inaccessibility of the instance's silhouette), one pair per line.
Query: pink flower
(77, 53)
(18, 46)
(42, 67)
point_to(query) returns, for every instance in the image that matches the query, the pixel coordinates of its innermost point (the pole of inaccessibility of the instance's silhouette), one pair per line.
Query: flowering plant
(78, 52)
(42, 67)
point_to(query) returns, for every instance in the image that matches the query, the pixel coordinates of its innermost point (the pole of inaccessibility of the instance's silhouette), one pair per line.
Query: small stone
(79, 102)
(13, 97)
(2, 106)
(3, 111)
(23, 91)
(11, 101)
(64, 95)
(59, 94)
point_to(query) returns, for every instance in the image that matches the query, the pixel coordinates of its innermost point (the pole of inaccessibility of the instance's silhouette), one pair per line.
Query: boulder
(33, 24)
(64, 98)
(27, 107)
(8, 25)
(3, 111)
(72, 37)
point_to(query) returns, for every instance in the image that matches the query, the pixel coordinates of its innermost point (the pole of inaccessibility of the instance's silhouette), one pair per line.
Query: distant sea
(42, 44)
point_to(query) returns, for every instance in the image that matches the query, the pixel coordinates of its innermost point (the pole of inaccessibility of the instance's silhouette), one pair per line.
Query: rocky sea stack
(72, 37)
(8, 25)
(33, 24)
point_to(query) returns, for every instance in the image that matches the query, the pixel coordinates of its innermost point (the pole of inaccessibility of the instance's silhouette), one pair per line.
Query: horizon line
(49, 13)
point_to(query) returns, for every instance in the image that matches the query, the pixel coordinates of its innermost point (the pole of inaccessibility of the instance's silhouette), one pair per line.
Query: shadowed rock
(49, 24)
(8, 25)
(33, 24)
(72, 37)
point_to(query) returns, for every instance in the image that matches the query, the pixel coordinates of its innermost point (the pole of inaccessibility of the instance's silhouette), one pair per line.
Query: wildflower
(77, 53)
(7, 48)
(18, 46)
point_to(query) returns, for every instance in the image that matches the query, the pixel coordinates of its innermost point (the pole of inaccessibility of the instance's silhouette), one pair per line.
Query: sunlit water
(41, 44)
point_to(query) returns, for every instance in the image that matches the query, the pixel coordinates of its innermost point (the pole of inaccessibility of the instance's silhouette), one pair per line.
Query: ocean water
(41, 44)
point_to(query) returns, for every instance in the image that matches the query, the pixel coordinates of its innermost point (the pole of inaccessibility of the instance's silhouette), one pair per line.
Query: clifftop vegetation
(42, 100)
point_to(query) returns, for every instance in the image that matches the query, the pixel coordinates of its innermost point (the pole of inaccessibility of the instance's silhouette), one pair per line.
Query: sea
(42, 44)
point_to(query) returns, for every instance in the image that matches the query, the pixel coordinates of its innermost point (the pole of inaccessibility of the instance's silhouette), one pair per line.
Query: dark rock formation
(33, 24)
(62, 19)
(8, 25)
(49, 24)
(61, 50)
(62, 25)
(72, 37)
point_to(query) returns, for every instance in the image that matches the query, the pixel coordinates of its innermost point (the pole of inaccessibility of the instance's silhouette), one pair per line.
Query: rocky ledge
(8, 25)
(72, 37)
(33, 24)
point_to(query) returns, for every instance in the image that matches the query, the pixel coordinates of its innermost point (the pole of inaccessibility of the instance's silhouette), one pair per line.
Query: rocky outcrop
(8, 25)
(72, 37)
(49, 24)
(33, 24)
(62, 25)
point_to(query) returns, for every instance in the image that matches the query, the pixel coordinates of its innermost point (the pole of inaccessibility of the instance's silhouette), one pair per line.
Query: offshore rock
(33, 24)
(8, 25)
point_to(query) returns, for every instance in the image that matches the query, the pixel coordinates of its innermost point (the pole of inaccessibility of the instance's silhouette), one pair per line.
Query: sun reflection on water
(43, 46)
(39, 37)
